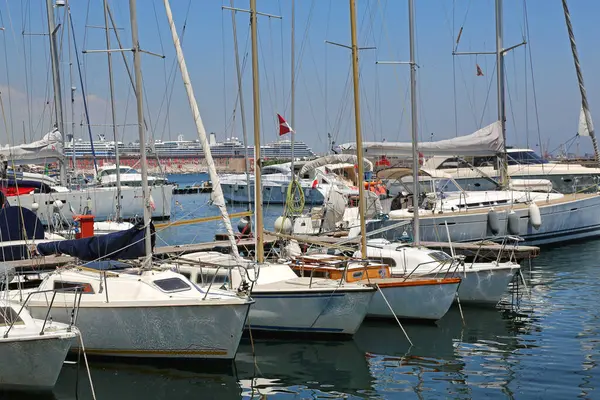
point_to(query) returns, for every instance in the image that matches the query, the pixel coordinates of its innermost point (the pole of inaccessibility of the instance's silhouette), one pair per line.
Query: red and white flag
(284, 127)
(479, 71)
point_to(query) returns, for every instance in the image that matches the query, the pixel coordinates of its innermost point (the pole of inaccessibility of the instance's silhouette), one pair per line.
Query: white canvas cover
(43, 151)
(486, 141)
(333, 159)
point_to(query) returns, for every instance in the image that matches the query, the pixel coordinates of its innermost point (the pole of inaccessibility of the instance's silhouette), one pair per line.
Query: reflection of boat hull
(325, 366)
(34, 362)
(167, 331)
(570, 218)
(336, 311)
(101, 202)
(427, 299)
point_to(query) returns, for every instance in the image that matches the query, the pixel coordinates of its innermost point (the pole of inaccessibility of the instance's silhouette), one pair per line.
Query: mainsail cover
(333, 159)
(486, 141)
(124, 245)
(48, 149)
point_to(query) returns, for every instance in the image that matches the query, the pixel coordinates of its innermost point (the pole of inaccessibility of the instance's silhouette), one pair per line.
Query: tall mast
(58, 111)
(359, 145)
(584, 101)
(258, 207)
(69, 33)
(112, 108)
(137, 66)
(414, 121)
(241, 97)
(217, 194)
(293, 82)
(500, 88)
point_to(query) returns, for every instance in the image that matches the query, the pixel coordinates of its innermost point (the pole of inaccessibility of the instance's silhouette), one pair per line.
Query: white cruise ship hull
(100, 202)
(570, 218)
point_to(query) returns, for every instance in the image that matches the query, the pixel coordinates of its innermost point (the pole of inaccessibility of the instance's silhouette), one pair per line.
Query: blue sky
(324, 96)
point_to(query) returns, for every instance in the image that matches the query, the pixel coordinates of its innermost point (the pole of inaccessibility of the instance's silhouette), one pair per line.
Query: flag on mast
(284, 127)
(479, 71)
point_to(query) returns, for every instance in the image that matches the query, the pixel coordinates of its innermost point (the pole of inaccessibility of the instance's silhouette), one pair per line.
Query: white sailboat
(285, 303)
(539, 218)
(143, 312)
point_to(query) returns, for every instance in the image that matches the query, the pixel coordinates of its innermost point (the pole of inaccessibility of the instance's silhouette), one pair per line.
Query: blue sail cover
(17, 224)
(124, 245)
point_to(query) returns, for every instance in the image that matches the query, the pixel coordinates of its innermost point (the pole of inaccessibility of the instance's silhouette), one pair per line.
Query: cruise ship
(181, 148)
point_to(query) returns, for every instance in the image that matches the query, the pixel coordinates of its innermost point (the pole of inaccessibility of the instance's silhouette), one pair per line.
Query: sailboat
(141, 312)
(34, 349)
(539, 218)
(285, 303)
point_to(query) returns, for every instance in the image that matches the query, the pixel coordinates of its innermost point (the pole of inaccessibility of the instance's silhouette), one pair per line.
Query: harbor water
(543, 342)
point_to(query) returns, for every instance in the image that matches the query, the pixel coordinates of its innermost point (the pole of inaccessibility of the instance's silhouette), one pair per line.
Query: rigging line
(464, 81)
(537, 115)
(27, 70)
(512, 114)
(164, 64)
(282, 52)
(526, 84)
(85, 105)
(272, 63)
(272, 105)
(223, 69)
(487, 97)
(10, 112)
(170, 83)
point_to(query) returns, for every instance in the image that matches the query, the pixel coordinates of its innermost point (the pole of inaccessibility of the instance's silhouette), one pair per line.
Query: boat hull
(336, 311)
(576, 218)
(429, 299)
(201, 331)
(272, 194)
(101, 202)
(33, 363)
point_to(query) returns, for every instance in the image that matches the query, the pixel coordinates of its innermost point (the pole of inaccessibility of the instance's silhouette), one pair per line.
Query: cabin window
(186, 274)
(205, 278)
(84, 287)
(8, 315)
(454, 162)
(170, 285)
(489, 161)
(388, 261)
(439, 256)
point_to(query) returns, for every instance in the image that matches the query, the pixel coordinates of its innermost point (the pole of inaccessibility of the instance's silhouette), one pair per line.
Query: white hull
(101, 202)
(425, 302)
(169, 331)
(330, 311)
(568, 219)
(483, 286)
(34, 362)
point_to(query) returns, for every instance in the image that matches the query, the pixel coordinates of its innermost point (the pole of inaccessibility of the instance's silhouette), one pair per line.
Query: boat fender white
(57, 205)
(493, 222)
(35, 207)
(513, 223)
(534, 216)
(283, 225)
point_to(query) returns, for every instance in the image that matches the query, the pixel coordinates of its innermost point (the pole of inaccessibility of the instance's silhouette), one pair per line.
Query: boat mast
(414, 122)
(584, 101)
(217, 193)
(258, 207)
(241, 97)
(112, 109)
(58, 111)
(293, 84)
(359, 145)
(500, 89)
(69, 33)
(137, 66)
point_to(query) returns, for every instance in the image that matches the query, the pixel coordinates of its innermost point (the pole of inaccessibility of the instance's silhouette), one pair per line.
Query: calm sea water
(547, 347)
